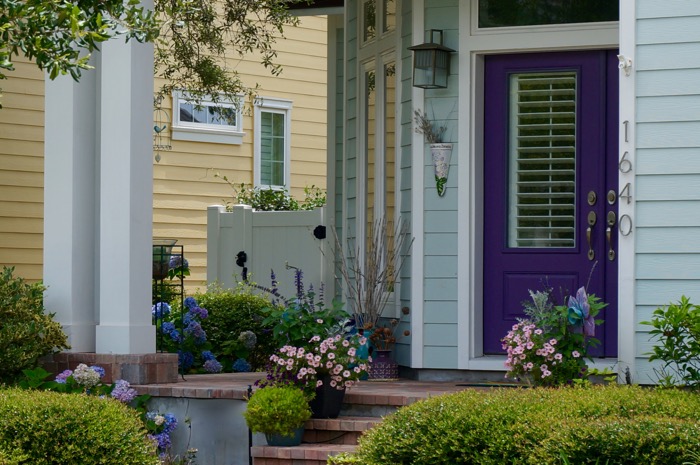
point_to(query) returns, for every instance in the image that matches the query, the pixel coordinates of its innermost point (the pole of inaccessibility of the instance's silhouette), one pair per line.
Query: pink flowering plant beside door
(550, 347)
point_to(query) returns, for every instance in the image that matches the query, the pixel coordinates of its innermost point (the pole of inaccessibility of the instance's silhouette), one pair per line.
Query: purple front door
(550, 177)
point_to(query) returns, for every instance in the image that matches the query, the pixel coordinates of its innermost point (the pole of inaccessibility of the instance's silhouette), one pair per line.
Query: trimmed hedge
(232, 311)
(42, 428)
(598, 425)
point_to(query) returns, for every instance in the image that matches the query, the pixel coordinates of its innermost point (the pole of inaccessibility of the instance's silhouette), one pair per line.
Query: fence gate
(270, 241)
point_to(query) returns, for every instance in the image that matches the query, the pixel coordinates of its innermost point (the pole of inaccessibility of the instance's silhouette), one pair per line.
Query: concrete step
(342, 430)
(305, 454)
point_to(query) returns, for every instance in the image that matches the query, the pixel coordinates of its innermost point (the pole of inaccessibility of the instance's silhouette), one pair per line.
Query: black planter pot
(280, 440)
(328, 400)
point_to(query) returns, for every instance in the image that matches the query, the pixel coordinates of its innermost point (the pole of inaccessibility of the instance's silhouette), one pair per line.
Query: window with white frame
(272, 142)
(206, 121)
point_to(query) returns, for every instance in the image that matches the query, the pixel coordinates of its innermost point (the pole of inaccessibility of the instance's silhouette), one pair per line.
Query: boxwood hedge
(578, 425)
(42, 428)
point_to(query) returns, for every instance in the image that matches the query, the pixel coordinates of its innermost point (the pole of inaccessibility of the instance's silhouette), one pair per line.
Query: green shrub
(600, 424)
(55, 428)
(231, 312)
(26, 331)
(277, 410)
(676, 330)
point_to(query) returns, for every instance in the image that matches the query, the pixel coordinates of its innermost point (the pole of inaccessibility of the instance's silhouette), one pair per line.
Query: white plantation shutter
(542, 160)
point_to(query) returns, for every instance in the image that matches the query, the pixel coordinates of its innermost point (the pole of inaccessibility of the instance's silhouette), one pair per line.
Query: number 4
(625, 193)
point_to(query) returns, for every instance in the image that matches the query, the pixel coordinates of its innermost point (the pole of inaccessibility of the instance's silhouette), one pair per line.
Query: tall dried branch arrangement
(369, 279)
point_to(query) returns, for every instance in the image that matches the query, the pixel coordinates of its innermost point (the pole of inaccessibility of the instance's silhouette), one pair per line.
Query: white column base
(125, 339)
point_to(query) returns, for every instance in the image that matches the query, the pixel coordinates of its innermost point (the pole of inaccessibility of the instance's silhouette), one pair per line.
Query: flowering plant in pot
(323, 371)
(550, 347)
(279, 412)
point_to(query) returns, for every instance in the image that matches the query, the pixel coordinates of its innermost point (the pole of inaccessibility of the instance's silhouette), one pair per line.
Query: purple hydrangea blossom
(190, 303)
(207, 355)
(176, 262)
(99, 370)
(197, 332)
(212, 366)
(200, 312)
(63, 376)
(123, 391)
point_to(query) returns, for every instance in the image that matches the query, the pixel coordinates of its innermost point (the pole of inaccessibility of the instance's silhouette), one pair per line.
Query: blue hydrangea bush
(180, 331)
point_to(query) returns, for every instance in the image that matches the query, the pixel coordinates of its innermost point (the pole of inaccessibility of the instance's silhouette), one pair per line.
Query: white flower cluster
(86, 376)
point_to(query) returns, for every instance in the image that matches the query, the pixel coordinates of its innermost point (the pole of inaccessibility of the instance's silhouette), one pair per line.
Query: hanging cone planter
(441, 153)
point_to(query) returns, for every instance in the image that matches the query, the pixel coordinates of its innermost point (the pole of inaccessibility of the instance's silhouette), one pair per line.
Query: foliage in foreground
(233, 313)
(54, 428)
(26, 331)
(192, 38)
(676, 333)
(613, 425)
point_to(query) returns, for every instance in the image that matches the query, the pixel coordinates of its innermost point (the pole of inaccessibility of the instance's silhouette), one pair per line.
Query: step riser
(259, 461)
(332, 437)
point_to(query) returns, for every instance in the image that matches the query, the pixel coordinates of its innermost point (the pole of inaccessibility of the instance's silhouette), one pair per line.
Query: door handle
(592, 218)
(608, 234)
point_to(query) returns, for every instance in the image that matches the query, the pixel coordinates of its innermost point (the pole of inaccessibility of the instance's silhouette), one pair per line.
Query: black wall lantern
(431, 63)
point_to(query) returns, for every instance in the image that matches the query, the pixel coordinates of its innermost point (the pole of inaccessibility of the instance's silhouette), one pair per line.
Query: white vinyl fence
(270, 241)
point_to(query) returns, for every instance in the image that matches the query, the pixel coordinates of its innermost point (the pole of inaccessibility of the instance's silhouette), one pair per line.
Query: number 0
(625, 225)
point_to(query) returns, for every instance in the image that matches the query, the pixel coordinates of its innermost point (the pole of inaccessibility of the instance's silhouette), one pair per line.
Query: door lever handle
(592, 218)
(608, 234)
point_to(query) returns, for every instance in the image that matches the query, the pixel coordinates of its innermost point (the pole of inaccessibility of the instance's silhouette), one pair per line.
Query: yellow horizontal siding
(21, 170)
(21, 225)
(184, 181)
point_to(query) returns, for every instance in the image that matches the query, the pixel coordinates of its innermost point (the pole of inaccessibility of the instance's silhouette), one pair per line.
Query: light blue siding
(667, 82)
(674, 240)
(440, 335)
(669, 187)
(668, 108)
(667, 213)
(441, 221)
(667, 166)
(661, 135)
(440, 312)
(656, 161)
(668, 30)
(666, 8)
(658, 292)
(440, 357)
(440, 289)
(441, 244)
(437, 266)
(667, 266)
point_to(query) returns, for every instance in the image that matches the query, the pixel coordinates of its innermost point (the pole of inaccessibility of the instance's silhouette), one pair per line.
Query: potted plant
(441, 152)
(383, 338)
(279, 412)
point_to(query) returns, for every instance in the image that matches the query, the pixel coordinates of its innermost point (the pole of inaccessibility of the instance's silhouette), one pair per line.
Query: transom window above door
(509, 13)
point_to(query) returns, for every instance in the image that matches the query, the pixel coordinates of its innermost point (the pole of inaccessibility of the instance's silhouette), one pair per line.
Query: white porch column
(126, 198)
(70, 195)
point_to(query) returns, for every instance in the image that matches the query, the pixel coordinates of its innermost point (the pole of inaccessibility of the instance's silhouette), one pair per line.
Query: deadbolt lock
(592, 197)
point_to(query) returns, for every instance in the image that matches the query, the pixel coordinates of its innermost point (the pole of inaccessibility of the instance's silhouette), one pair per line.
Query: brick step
(342, 430)
(305, 454)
